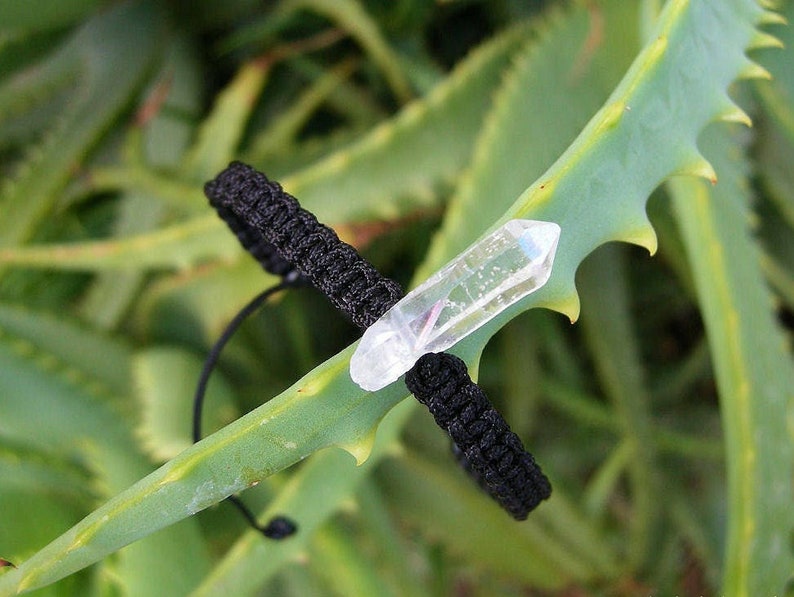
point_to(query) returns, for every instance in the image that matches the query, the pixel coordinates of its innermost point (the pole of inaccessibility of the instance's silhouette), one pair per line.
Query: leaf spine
(770, 17)
(764, 40)
(700, 167)
(753, 70)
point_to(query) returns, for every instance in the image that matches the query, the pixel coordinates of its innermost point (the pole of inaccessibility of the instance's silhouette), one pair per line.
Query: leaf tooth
(761, 39)
(770, 17)
(728, 111)
(753, 70)
(568, 304)
(694, 164)
(642, 235)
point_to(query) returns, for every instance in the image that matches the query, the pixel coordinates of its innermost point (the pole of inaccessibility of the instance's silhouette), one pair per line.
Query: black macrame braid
(491, 452)
(261, 250)
(273, 227)
(264, 211)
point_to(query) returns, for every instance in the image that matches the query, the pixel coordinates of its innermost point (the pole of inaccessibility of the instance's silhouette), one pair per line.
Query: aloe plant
(663, 418)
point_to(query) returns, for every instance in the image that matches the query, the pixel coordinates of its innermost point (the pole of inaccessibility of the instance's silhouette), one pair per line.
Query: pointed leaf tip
(764, 40)
(645, 237)
(734, 113)
(701, 168)
(770, 17)
(569, 305)
(753, 70)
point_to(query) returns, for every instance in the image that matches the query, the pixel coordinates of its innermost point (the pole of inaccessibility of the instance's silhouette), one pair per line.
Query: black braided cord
(261, 250)
(273, 227)
(335, 268)
(495, 454)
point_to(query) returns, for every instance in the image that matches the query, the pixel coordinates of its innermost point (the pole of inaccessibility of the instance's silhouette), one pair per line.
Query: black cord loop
(278, 527)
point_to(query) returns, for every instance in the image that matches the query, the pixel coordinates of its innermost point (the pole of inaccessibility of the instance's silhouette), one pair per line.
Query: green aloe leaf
(94, 355)
(38, 16)
(68, 415)
(403, 162)
(438, 131)
(753, 366)
(477, 523)
(596, 191)
(350, 14)
(179, 246)
(165, 380)
(117, 47)
(511, 125)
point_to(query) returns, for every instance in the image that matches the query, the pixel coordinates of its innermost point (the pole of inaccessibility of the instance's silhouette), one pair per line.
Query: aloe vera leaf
(50, 406)
(652, 89)
(351, 15)
(41, 15)
(311, 496)
(563, 34)
(219, 136)
(563, 79)
(165, 564)
(283, 132)
(40, 82)
(164, 381)
(753, 369)
(95, 355)
(646, 131)
(680, 24)
(437, 132)
(475, 526)
(424, 146)
(178, 246)
(118, 48)
(344, 566)
(191, 484)
(611, 337)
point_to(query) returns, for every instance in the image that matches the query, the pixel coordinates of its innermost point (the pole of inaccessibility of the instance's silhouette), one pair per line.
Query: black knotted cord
(276, 230)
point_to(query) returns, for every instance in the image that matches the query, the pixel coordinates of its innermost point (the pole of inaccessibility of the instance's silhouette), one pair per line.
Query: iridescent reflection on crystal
(499, 270)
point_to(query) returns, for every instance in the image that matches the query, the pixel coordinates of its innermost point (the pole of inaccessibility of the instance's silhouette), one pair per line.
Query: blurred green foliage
(664, 417)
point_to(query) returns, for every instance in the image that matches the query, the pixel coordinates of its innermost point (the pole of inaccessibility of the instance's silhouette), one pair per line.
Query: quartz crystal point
(488, 277)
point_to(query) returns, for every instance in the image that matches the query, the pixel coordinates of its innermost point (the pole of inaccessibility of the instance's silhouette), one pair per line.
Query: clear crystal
(502, 268)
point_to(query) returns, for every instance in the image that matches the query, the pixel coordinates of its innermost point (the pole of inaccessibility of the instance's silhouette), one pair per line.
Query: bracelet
(280, 234)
